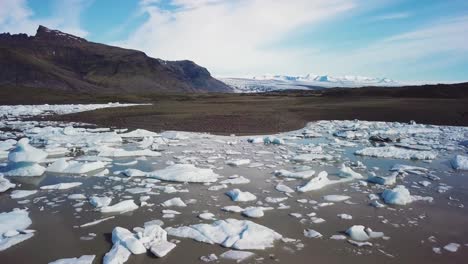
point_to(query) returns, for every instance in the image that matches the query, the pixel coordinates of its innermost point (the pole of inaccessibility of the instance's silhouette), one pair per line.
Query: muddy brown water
(409, 227)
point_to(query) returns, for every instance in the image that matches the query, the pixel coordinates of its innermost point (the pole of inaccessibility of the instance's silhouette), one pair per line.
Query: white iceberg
(396, 153)
(5, 184)
(174, 202)
(184, 173)
(26, 153)
(61, 186)
(298, 175)
(99, 202)
(231, 233)
(120, 207)
(460, 162)
(335, 198)
(115, 152)
(85, 259)
(398, 195)
(74, 167)
(237, 255)
(239, 196)
(14, 222)
(19, 194)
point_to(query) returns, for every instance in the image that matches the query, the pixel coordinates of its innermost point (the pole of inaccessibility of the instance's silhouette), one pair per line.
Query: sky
(404, 40)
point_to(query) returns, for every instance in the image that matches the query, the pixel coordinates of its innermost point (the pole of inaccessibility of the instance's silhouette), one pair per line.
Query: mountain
(57, 60)
(266, 83)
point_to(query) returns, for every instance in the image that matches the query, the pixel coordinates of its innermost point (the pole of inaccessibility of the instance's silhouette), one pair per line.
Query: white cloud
(230, 36)
(431, 47)
(17, 17)
(392, 16)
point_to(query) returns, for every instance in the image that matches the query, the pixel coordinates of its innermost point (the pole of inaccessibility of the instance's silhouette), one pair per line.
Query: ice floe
(13, 228)
(231, 233)
(120, 207)
(239, 196)
(85, 259)
(396, 153)
(460, 162)
(184, 173)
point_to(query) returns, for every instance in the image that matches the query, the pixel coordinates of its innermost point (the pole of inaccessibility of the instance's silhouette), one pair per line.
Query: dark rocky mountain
(60, 61)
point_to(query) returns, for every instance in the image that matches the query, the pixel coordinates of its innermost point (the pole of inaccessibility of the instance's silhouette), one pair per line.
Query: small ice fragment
(310, 233)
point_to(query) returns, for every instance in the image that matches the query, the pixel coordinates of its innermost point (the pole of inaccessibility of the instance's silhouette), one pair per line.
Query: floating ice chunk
(162, 248)
(460, 162)
(5, 184)
(299, 175)
(232, 233)
(233, 208)
(452, 247)
(16, 220)
(338, 237)
(360, 244)
(273, 140)
(209, 258)
(138, 190)
(19, 194)
(133, 173)
(424, 183)
(335, 198)
(239, 196)
(26, 153)
(8, 242)
(74, 167)
(238, 162)
(184, 173)
(376, 204)
(311, 157)
(127, 239)
(120, 207)
(345, 216)
(117, 255)
(398, 195)
(409, 169)
(85, 259)
(61, 186)
(115, 152)
(283, 188)
(139, 133)
(396, 153)
(77, 196)
(387, 180)
(316, 183)
(310, 233)
(357, 233)
(349, 134)
(24, 170)
(95, 222)
(236, 180)
(255, 140)
(206, 216)
(346, 172)
(254, 212)
(237, 255)
(99, 202)
(174, 202)
(275, 199)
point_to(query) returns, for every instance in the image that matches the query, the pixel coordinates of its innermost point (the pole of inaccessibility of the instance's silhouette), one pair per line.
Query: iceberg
(231, 233)
(184, 173)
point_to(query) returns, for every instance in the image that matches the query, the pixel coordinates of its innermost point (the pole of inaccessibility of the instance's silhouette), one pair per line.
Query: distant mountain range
(267, 83)
(56, 60)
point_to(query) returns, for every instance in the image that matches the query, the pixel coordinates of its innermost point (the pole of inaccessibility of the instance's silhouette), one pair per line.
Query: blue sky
(407, 40)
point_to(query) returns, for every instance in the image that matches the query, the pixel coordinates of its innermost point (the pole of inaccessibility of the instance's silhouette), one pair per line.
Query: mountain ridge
(61, 61)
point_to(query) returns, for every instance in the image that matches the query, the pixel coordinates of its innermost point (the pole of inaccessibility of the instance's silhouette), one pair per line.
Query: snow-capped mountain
(265, 83)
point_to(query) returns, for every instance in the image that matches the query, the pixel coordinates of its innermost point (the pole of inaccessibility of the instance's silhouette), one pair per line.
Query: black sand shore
(245, 114)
